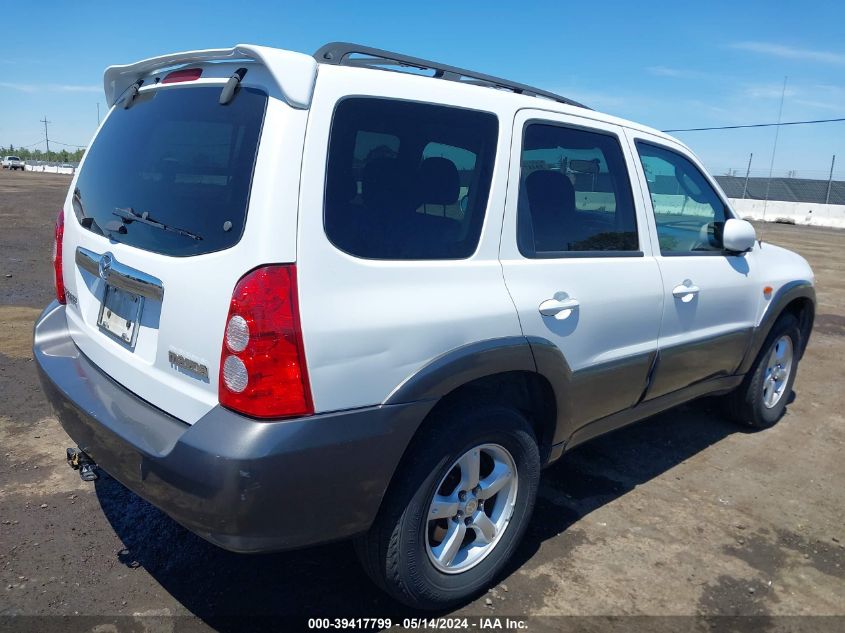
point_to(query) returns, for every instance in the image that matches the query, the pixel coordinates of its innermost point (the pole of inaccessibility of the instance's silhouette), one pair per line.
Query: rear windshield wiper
(231, 87)
(128, 215)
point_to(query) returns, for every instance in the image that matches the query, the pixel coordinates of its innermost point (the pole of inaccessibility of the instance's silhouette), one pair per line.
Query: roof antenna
(772, 163)
(231, 87)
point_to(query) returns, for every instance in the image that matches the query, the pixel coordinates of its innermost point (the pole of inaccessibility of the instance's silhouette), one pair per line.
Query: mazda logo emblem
(105, 265)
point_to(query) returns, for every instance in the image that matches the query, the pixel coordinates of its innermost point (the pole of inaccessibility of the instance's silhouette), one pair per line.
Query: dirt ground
(683, 514)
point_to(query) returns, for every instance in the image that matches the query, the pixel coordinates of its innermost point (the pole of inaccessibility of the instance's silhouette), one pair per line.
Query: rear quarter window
(408, 180)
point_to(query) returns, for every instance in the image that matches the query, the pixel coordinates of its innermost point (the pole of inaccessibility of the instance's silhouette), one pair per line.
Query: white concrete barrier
(50, 169)
(803, 213)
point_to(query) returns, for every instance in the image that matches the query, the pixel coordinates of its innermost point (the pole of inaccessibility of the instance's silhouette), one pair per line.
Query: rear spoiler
(294, 73)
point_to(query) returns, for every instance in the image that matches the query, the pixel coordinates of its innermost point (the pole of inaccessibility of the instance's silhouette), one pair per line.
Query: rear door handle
(559, 309)
(685, 292)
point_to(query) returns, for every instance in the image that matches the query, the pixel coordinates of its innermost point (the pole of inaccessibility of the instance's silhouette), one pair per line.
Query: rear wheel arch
(463, 365)
(526, 391)
(529, 374)
(502, 370)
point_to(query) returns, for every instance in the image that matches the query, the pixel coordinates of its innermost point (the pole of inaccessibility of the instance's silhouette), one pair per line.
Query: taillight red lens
(186, 74)
(262, 366)
(58, 235)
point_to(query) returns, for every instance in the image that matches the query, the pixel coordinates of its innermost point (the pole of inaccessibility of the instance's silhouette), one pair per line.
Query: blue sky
(665, 64)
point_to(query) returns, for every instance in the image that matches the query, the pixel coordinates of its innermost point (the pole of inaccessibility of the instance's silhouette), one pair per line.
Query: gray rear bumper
(242, 484)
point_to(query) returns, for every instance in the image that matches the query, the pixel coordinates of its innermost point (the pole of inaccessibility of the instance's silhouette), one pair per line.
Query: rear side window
(408, 180)
(180, 158)
(574, 194)
(689, 214)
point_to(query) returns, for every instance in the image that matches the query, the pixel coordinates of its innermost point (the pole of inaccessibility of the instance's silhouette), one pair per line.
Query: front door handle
(559, 309)
(685, 291)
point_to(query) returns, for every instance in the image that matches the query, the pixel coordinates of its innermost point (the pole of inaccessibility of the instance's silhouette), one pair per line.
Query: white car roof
(295, 74)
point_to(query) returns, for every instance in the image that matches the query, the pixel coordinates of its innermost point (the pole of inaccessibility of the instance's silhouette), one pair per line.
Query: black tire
(745, 404)
(394, 552)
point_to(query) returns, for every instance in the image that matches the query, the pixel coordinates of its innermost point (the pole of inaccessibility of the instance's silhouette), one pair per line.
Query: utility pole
(747, 173)
(46, 138)
(830, 179)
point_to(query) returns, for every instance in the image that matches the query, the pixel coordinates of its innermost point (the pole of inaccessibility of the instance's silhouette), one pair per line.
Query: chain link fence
(817, 191)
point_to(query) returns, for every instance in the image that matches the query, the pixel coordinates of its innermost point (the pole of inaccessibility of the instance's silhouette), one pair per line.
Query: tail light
(262, 366)
(58, 234)
(186, 74)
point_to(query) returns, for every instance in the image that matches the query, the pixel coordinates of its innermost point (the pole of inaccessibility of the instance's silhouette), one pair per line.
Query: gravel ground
(683, 514)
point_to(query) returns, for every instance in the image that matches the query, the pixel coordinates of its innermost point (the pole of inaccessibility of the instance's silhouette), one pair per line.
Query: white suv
(303, 298)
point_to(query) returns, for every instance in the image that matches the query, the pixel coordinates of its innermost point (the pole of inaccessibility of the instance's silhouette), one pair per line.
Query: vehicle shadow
(221, 587)
(606, 468)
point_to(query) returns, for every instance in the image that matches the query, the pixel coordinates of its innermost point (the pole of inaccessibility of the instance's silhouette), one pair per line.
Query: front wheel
(762, 397)
(457, 510)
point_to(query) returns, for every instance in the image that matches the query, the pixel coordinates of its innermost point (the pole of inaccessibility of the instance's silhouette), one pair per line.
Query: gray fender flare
(462, 365)
(800, 289)
(467, 363)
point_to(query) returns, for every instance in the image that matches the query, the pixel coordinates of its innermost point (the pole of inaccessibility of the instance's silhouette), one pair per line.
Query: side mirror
(738, 236)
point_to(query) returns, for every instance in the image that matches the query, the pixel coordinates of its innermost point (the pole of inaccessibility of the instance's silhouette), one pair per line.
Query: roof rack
(340, 54)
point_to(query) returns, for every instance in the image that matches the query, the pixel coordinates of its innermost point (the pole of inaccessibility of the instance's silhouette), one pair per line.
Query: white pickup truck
(13, 162)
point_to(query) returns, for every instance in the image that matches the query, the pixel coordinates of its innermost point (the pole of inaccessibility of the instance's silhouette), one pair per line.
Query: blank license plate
(120, 314)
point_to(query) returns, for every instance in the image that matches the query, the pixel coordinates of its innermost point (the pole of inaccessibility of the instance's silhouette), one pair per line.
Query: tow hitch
(79, 460)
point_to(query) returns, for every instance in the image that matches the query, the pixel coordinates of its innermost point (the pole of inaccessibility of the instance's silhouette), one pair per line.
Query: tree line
(62, 156)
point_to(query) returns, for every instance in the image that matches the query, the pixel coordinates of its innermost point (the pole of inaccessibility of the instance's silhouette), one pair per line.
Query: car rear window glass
(408, 180)
(574, 194)
(179, 159)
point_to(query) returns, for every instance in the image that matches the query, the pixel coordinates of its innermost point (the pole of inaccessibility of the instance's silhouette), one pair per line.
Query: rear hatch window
(172, 173)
